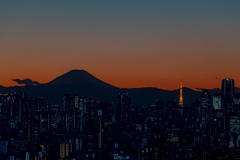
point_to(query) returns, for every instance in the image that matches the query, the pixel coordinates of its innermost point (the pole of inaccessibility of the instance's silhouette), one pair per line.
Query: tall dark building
(70, 101)
(160, 113)
(173, 116)
(227, 94)
(35, 104)
(105, 112)
(71, 112)
(20, 105)
(228, 91)
(206, 109)
(123, 108)
(12, 108)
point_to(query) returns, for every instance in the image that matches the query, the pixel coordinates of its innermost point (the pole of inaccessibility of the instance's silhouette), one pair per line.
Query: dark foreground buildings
(84, 128)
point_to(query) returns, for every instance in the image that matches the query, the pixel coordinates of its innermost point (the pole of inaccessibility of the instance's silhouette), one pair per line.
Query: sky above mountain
(124, 43)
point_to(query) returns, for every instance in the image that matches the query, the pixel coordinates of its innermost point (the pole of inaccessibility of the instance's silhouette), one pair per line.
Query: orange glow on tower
(181, 97)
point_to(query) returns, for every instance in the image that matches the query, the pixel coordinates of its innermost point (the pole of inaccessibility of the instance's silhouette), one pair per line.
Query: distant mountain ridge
(80, 77)
(83, 83)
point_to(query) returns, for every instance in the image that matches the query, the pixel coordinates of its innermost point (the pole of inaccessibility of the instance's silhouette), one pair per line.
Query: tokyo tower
(181, 97)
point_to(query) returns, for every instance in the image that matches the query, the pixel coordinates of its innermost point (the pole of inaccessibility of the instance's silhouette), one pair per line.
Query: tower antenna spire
(181, 97)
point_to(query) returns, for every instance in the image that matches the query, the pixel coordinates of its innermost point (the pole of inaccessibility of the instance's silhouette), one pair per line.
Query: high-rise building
(12, 108)
(71, 111)
(160, 113)
(91, 117)
(70, 102)
(65, 150)
(123, 108)
(105, 112)
(205, 98)
(216, 101)
(83, 110)
(20, 105)
(228, 90)
(36, 104)
(3, 147)
(206, 109)
(32, 129)
(173, 116)
(227, 94)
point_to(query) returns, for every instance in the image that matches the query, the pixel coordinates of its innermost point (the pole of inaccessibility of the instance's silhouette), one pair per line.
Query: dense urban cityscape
(84, 128)
(119, 80)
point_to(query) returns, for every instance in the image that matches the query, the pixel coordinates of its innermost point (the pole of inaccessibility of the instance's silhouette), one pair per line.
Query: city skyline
(84, 128)
(126, 44)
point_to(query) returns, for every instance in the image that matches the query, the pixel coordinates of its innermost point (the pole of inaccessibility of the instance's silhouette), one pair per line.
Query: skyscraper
(228, 91)
(123, 108)
(206, 109)
(217, 101)
(105, 111)
(70, 102)
(160, 113)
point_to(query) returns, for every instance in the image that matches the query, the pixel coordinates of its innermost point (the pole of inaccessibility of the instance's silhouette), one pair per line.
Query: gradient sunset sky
(127, 43)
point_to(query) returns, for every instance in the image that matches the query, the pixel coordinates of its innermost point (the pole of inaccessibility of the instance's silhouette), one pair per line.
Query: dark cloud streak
(26, 82)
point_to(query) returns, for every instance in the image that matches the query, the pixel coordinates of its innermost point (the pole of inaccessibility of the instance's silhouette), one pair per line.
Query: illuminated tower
(181, 97)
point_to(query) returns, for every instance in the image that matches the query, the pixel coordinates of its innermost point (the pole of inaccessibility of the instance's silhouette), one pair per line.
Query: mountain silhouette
(84, 84)
(78, 77)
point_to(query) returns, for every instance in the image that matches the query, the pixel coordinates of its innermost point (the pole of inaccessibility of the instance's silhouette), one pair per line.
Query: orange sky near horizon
(124, 43)
(121, 81)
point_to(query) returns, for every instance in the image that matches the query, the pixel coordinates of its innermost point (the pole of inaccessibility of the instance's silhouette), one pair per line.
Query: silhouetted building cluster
(83, 128)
